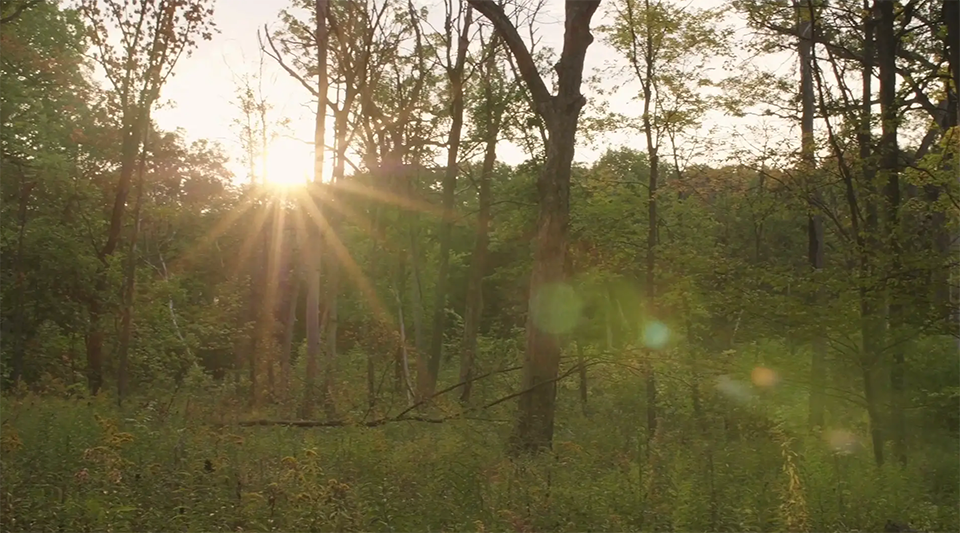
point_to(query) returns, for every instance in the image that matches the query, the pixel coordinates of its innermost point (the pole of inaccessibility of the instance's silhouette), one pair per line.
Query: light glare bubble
(842, 441)
(655, 334)
(734, 389)
(555, 308)
(764, 377)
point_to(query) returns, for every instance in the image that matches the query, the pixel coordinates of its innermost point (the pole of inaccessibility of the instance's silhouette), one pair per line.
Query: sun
(289, 164)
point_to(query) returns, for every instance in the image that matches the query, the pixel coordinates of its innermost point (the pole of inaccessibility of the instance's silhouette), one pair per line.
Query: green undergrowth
(83, 465)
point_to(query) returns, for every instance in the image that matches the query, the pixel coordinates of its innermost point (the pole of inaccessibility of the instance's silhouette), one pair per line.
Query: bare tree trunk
(289, 324)
(273, 241)
(371, 355)
(428, 383)
(478, 260)
(416, 300)
(130, 275)
(815, 220)
(130, 148)
(537, 405)
(312, 314)
(407, 383)
(582, 374)
(333, 260)
(652, 221)
(20, 337)
(331, 323)
(871, 321)
(255, 313)
(950, 15)
(887, 43)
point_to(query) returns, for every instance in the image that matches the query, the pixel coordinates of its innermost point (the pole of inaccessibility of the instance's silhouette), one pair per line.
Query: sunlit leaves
(138, 43)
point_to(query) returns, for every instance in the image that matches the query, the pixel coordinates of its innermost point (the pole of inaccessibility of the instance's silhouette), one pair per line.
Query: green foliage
(82, 465)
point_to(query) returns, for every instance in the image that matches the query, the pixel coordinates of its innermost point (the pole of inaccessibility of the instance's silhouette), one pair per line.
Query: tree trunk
(333, 274)
(537, 404)
(404, 357)
(951, 18)
(478, 261)
(416, 301)
(478, 265)
(652, 223)
(887, 43)
(871, 321)
(130, 276)
(19, 335)
(273, 245)
(130, 149)
(313, 253)
(542, 361)
(814, 219)
(371, 355)
(582, 374)
(455, 73)
(289, 324)
(258, 276)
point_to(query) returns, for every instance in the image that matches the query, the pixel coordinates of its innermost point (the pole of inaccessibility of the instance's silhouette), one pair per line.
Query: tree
(152, 34)
(18, 9)
(560, 113)
(488, 116)
(455, 75)
(48, 135)
(666, 48)
(806, 15)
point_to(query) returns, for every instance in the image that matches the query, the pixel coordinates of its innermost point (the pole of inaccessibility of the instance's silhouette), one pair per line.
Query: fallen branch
(403, 417)
(337, 423)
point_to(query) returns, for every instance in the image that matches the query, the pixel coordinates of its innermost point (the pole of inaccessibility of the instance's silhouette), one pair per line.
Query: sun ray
(392, 199)
(362, 223)
(246, 249)
(354, 271)
(271, 293)
(218, 229)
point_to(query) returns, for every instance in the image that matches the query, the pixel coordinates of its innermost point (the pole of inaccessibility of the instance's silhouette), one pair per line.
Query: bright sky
(200, 96)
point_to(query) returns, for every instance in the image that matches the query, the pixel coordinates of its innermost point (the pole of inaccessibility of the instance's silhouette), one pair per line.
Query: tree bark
(130, 274)
(871, 326)
(416, 289)
(314, 255)
(814, 219)
(652, 221)
(534, 430)
(288, 328)
(333, 263)
(951, 18)
(129, 150)
(887, 42)
(582, 374)
(428, 384)
(20, 329)
(478, 260)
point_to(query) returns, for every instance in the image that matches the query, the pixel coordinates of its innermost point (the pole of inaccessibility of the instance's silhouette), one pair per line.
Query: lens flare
(764, 377)
(555, 308)
(655, 334)
(841, 441)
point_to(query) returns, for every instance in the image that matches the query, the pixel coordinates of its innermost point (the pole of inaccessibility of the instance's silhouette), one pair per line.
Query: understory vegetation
(179, 462)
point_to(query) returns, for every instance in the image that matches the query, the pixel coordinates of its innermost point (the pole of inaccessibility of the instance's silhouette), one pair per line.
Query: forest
(694, 331)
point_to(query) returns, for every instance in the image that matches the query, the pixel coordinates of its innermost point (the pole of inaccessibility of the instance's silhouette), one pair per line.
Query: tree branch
(525, 64)
(19, 11)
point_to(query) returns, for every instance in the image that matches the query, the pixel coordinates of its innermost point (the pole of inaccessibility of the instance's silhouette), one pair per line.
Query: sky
(200, 98)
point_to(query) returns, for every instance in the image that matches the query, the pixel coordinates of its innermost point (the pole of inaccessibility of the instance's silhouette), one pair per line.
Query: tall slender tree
(560, 113)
